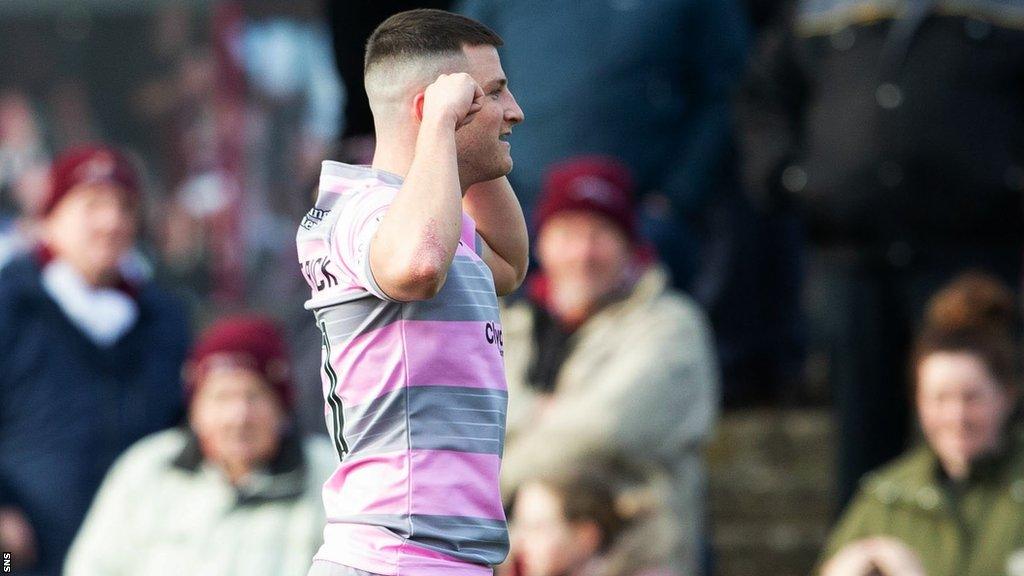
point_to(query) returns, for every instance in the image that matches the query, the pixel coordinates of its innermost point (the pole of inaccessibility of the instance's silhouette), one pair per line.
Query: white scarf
(104, 315)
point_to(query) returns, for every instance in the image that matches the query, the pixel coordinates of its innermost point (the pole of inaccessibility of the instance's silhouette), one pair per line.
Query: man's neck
(396, 157)
(394, 151)
(391, 163)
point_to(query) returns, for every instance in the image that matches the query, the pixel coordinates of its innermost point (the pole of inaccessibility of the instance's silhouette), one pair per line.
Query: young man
(404, 260)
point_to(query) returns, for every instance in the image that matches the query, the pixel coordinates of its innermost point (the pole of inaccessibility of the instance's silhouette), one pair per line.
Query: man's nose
(514, 114)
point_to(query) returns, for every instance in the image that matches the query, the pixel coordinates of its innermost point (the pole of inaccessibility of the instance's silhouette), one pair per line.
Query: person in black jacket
(351, 24)
(90, 357)
(894, 129)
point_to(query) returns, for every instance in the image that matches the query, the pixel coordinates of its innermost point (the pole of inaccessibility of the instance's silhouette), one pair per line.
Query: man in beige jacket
(604, 359)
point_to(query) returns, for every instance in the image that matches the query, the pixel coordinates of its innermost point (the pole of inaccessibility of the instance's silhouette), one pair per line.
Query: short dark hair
(425, 32)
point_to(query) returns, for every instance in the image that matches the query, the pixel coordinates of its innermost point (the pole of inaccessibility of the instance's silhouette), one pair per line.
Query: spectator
(603, 358)
(952, 505)
(648, 82)
(237, 491)
(296, 94)
(24, 170)
(577, 524)
(893, 128)
(89, 356)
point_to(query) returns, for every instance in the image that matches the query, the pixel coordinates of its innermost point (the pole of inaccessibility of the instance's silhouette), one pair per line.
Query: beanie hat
(88, 165)
(598, 184)
(248, 341)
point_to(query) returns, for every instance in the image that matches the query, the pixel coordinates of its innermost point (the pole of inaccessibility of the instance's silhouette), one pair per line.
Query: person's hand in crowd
(894, 558)
(880, 555)
(17, 538)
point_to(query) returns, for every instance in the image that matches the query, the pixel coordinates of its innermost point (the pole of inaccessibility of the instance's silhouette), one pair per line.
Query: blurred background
(809, 172)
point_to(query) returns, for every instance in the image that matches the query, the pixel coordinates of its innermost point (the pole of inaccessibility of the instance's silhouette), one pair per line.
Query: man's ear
(417, 104)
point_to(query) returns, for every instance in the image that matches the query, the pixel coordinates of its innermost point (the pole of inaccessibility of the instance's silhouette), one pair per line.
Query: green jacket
(973, 529)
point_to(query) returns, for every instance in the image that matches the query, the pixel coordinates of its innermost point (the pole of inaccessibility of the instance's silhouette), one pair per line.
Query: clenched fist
(453, 98)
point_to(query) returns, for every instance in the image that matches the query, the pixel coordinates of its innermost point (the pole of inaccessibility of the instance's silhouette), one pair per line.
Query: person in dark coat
(90, 357)
(894, 130)
(647, 82)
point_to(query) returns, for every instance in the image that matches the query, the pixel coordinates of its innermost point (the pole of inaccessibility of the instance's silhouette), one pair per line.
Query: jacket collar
(283, 478)
(650, 279)
(922, 481)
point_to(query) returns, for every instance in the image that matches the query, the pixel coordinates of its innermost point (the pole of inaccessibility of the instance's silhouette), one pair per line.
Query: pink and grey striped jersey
(415, 395)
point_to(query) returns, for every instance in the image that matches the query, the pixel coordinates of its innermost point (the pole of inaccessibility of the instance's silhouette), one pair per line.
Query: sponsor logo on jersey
(492, 332)
(313, 218)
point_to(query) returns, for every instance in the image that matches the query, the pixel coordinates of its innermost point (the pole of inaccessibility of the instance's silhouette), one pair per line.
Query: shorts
(326, 568)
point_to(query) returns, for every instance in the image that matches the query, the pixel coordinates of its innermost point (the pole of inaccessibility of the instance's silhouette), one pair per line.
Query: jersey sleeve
(350, 240)
(469, 237)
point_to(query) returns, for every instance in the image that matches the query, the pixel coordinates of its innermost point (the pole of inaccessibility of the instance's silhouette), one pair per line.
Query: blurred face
(483, 149)
(962, 408)
(586, 259)
(92, 228)
(238, 419)
(543, 541)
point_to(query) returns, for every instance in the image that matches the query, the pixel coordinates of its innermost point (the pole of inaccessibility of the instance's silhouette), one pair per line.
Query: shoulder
(161, 446)
(653, 297)
(679, 309)
(659, 315)
(368, 198)
(906, 480)
(357, 210)
(150, 456)
(369, 205)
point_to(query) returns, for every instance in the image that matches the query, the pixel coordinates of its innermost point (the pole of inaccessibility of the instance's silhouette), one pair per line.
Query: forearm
(416, 241)
(499, 221)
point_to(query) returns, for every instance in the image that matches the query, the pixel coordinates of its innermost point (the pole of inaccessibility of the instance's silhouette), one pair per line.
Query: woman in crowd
(951, 506)
(584, 522)
(235, 492)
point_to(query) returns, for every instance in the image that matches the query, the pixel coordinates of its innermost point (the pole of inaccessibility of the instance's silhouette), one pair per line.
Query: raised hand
(453, 98)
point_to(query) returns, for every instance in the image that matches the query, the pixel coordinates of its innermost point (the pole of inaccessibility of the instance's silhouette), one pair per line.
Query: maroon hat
(590, 183)
(87, 165)
(252, 342)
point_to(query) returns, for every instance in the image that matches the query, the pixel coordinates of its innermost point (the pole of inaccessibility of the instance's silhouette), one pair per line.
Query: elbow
(520, 273)
(507, 280)
(425, 280)
(416, 281)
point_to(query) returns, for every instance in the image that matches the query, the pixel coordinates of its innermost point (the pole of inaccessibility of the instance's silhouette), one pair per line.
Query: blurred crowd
(773, 203)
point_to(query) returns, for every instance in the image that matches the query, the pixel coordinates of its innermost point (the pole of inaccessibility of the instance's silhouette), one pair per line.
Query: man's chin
(503, 168)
